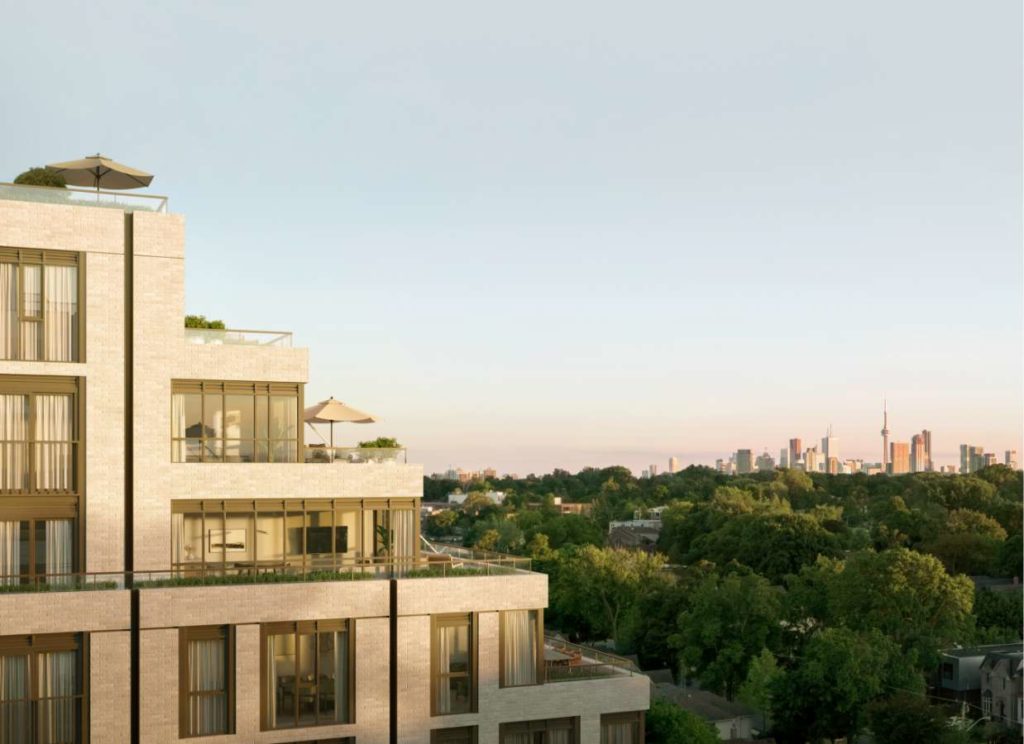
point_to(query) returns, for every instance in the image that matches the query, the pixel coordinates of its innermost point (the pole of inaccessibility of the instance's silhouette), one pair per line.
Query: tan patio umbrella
(99, 171)
(329, 411)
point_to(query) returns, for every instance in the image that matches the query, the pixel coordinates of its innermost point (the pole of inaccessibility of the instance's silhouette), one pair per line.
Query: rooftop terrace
(78, 197)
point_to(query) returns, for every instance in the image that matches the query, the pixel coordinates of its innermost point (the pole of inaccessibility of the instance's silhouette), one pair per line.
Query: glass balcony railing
(567, 662)
(76, 197)
(355, 455)
(425, 566)
(234, 337)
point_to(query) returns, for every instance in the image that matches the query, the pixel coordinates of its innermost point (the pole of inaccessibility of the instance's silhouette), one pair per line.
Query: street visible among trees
(823, 601)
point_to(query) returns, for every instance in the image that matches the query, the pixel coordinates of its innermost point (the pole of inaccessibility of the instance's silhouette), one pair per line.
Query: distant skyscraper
(833, 466)
(784, 457)
(765, 463)
(972, 458)
(653, 470)
(1011, 459)
(796, 449)
(673, 464)
(989, 459)
(899, 458)
(885, 437)
(928, 465)
(812, 460)
(918, 454)
(829, 447)
(744, 462)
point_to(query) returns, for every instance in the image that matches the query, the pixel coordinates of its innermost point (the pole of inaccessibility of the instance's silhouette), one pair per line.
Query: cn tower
(885, 437)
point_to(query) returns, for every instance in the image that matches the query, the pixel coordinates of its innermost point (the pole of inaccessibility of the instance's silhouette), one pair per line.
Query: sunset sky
(535, 235)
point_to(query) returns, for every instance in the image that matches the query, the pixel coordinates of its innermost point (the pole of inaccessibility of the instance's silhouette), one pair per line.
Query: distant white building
(673, 464)
(495, 497)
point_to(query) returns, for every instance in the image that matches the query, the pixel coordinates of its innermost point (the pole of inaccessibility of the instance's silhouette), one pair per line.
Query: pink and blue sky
(535, 234)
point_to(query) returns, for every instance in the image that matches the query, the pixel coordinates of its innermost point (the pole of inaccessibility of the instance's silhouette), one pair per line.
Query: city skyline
(634, 236)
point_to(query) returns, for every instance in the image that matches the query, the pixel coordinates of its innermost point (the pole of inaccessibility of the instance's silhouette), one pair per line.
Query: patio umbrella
(329, 411)
(99, 171)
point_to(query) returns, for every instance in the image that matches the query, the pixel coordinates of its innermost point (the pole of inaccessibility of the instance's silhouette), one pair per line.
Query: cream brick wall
(64, 612)
(262, 603)
(110, 687)
(255, 363)
(521, 591)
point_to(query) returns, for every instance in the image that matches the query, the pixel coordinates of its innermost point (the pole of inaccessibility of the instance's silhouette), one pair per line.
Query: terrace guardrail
(572, 662)
(426, 566)
(78, 197)
(355, 455)
(237, 337)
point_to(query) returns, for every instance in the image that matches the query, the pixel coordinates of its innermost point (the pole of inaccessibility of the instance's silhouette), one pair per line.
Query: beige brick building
(177, 562)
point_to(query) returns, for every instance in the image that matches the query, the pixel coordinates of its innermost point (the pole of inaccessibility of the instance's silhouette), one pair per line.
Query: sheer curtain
(32, 291)
(60, 312)
(519, 647)
(523, 738)
(58, 550)
(8, 310)
(403, 536)
(177, 539)
(53, 442)
(57, 685)
(10, 552)
(14, 704)
(178, 426)
(207, 712)
(271, 682)
(443, 702)
(341, 713)
(559, 736)
(618, 732)
(13, 447)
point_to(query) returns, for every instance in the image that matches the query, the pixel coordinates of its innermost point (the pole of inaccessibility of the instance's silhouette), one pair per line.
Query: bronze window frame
(221, 508)
(224, 388)
(538, 645)
(26, 511)
(571, 724)
(225, 633)
(457, 735)
(33, 386)
(314, 628)
(22, 257)
(437, 622)
(33, 645)
(634, 717)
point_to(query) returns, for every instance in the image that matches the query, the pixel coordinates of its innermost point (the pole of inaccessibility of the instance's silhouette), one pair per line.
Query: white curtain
(8, 310)
(32, 298)
(53, 442)
(13, 446)
(58, 550)
(10, 552)
(444, 649)
(341, 676)
(561, 736)
(517, 739)
(520, 647)
(57, 683)
(207, 713)
(403, 536)
(14, 706)
(61, 312)
(271, 683)
(618, 732)
(177, 539)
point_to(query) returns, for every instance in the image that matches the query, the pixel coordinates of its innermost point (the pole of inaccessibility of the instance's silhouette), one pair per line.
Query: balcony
(355, 455)
(426, 566)
(236, 337)
(569, 662)
(76, 197)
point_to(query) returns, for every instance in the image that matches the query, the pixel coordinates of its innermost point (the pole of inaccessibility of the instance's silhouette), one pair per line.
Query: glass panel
(333, 680)
(215, 539)
(320, 538)
(213, 415)
(61, 313)
(8, 310)
(238, 450)
(190, 415)
(207, 674)
(283, 451)
(11, 559)
(284, 417)
(213, 450)
(293, 531)
(14, 705)
(262, 451)
(458, 691)
(238, 545)
(262, 402)
(458, 648)
(238, 428)
(306, 679)
(24, 542)
(13, 435)
(57, 685)
(282, 671)
(346, 535)
(32, 291)
(270, 537)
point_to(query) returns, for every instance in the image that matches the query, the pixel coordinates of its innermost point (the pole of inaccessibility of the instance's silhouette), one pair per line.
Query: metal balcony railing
(354, 455)
(77, 197)
(237, 337)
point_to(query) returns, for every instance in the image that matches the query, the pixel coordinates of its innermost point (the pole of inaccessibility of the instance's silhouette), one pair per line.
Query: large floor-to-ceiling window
(207, 681)
(41, 690)
(521, 639)
(308, 670)
(234, 421)
(233, 535)
(550, 731)
(39, 300)
(453, 664)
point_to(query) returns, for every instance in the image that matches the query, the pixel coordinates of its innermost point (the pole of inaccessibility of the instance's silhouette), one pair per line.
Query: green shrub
(40, 177)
